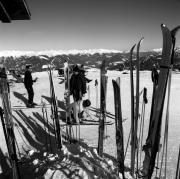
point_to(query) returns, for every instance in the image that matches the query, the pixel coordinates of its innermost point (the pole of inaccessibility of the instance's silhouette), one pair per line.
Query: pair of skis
(54, 104)
(54, 111)
(153, 140)
(134, 106)
(118, 117)
(7, 123)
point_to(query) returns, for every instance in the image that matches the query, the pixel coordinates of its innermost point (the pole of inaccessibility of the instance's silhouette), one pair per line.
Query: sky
(91, 24)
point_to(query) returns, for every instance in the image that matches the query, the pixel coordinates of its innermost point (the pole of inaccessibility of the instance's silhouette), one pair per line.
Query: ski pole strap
(96, 82)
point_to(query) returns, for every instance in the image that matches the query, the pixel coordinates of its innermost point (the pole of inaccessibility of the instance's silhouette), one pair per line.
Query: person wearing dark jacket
(28, 83)
(78, 90)
(77, 84)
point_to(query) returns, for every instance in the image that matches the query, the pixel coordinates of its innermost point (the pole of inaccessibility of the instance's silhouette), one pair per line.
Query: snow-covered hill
(51, 53)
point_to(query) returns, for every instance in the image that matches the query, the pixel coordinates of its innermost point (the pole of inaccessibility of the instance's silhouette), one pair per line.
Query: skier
(78, 90)
(28, 83)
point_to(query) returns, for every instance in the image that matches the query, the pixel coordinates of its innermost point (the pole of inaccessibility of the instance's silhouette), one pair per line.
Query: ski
(154, 77)
(108, 114)
(165, 141)
(46, 126)
(178, 166)
(135, 144)
(102, 118)
(85, 122)
(67, 96)
(54, 105)
(118, 125)
(25, 107)
(152, 143)
(54, 111)
(132, 110)
(7, 122)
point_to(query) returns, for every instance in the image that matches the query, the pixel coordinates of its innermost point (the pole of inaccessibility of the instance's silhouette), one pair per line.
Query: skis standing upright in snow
(67, 96)
(119, 126)
(54, 105)
(54, 110)
(132, 110)
(7, 122)
(165, 141)
(102, 118)
(152, 142)
(178, 166)
(137, 100)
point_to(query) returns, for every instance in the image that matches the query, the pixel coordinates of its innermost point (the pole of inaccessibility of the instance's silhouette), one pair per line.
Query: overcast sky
(90, 24)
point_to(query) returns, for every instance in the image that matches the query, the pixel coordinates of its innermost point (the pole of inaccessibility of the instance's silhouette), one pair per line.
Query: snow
(79, 160)
(158, 50)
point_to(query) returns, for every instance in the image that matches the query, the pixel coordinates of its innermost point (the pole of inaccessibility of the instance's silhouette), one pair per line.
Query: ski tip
(113, 81)
(140, 41)
(139, 44)
(164, 28)
(45, 57)
(132, 48)
(163, 25)
(175, 30)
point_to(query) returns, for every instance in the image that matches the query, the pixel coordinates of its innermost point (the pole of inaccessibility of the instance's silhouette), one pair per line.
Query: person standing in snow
(28, 83)
(78, 90)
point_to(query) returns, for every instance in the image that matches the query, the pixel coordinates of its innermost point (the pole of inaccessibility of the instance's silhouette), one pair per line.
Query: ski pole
(178, 164)
(127, 143)
(45, 128)
(48, 125)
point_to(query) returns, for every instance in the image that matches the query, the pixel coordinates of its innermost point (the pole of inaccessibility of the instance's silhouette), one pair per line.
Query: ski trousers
(30, 94)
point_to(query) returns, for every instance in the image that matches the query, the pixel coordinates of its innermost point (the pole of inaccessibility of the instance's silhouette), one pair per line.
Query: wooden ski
(7, 122)
(54, 110)
(67, 97)
(152, 143)
(178, 166)
(132, 110)
(119, 126)
(135, 147)
(102, 118)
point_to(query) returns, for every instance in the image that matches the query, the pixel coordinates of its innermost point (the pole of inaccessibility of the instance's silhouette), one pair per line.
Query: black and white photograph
(89, 89)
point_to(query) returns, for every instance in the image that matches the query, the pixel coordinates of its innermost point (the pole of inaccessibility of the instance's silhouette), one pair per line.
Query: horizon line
(50, 53)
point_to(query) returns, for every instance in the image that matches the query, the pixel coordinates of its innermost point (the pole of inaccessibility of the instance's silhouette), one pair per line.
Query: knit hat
(28, 66)
(76, 69)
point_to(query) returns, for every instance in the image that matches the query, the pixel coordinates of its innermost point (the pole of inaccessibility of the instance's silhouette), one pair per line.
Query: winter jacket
(28, 81)
(77, 86)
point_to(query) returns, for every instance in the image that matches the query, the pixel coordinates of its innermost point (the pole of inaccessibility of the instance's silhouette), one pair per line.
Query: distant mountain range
(118, 60)
(50, 53)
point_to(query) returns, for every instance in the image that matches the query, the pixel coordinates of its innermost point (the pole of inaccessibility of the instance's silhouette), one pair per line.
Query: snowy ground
(81, 158)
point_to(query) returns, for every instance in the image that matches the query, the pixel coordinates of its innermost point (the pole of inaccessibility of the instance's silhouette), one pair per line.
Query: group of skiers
(78, 88)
